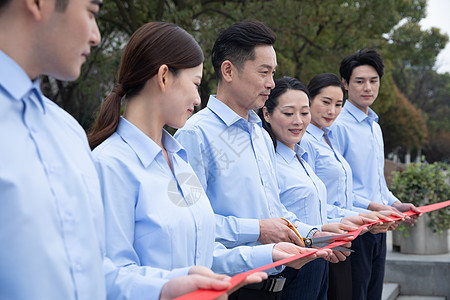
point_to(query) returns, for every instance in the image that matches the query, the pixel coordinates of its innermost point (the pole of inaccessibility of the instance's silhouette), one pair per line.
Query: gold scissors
(319, 241)
(292, 227)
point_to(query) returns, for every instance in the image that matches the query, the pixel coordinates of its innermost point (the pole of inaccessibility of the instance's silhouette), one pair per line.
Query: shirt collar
(16, 82)
(227, 115)
(372, 115)
(144, 147)
(315, 131)
(285, 152)
(301, 152)
(288, 154)
(358, 114)
(328, 131)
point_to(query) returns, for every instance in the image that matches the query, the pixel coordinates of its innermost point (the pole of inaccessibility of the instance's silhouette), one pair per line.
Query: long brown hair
(151, 46)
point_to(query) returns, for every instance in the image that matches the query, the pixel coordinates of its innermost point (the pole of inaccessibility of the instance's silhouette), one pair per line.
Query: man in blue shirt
(51, 214)
(358, 138)
(232, 155)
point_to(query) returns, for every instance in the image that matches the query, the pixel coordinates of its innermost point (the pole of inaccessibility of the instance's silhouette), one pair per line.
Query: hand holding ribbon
(203, 294)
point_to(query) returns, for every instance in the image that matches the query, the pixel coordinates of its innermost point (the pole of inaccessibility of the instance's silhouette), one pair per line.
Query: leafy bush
(423, 184)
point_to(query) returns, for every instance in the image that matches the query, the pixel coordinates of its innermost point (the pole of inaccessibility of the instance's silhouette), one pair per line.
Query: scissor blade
(338, 248)
(330, 238)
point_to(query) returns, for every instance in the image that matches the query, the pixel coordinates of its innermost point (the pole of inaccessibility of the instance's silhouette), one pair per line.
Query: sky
(437, 16)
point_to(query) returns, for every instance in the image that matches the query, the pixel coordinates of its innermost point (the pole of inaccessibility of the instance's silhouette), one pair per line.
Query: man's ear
(227, 68)
(38, 8)
(344, 82)
(163, 74)
(266, 114)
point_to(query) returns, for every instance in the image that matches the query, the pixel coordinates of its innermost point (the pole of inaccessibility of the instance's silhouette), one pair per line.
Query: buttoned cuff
(146, 288)
(350, 213)
(262, 255)
(362, 203)
(178, 272)
(392, 199)
(249, 231)
(304, 229)
(361, 210)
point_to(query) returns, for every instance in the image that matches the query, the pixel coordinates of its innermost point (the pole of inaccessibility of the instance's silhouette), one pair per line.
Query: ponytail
(108, 118)
(151, 46)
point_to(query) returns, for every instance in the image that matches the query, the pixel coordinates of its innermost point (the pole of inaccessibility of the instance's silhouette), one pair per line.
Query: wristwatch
(308, 240)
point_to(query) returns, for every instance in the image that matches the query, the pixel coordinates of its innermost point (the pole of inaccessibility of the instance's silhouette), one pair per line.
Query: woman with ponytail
(153, 52)
(158, 218)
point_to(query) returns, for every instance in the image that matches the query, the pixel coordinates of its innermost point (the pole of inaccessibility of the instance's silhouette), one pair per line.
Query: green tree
(413, 52)
(403, 126)
(313, 37)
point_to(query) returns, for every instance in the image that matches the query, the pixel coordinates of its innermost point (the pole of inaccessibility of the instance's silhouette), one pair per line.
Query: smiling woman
(329, 92)
(286, 116)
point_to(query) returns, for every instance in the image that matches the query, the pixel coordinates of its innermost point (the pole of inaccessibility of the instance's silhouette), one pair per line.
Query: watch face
(308, 242)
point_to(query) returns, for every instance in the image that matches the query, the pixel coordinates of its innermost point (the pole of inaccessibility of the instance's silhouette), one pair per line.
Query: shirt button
(68, 217)
(78, 267)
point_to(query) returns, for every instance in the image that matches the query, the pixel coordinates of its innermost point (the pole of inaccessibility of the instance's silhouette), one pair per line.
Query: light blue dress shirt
(333, 170)
(51, 214)
(159, 218)
(359, 139)
(302, 192)
(235, 162)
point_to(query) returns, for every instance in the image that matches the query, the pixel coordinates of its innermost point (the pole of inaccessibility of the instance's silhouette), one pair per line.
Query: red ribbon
(235, 280)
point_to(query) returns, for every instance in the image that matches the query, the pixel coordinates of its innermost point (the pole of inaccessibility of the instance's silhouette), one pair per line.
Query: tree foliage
(312, 37)
(403, 125)
(413, 54)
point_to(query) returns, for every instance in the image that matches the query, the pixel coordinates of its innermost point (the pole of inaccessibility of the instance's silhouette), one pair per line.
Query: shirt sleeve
(243, 258)
(339, 141)
(302, 228)
(391, 198)
(230, 231)
(360, 210)
(360, 202)
(122, 283)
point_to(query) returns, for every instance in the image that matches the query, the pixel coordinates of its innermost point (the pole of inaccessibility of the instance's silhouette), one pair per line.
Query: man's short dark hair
(60, 5)
(237, 44)
(365, 56)
(4, 4)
